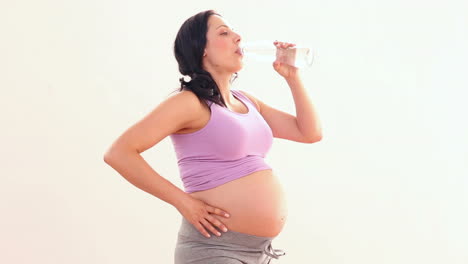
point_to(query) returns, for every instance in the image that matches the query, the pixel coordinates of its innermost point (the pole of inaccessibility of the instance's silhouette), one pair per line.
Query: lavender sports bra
(231, 145)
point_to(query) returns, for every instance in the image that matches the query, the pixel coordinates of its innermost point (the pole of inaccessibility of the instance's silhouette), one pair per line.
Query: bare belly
(256, 203)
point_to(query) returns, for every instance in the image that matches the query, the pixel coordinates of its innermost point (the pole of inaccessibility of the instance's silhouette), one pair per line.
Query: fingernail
(227, 215)
(225, 229)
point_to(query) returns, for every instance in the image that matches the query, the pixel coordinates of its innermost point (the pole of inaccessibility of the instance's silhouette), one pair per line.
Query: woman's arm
(306, 115)
(169, 116)
(131, 165)
(304, 128)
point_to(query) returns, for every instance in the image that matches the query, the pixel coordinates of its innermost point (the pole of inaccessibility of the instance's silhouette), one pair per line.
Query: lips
(239, 51)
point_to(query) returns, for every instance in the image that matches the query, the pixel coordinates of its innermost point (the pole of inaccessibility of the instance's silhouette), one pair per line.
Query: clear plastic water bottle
(266, 51)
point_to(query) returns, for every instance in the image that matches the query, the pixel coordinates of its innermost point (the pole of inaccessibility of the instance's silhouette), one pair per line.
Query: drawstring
(276, 252)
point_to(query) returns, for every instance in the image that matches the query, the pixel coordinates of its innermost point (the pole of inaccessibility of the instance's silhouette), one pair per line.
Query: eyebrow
(222, 26)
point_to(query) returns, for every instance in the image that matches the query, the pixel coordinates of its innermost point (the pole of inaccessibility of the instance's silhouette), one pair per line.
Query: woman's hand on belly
(198, 213)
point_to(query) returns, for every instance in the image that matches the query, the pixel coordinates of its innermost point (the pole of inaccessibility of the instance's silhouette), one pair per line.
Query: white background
(387, 184)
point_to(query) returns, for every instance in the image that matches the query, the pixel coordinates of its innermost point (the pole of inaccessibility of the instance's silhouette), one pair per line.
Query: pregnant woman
(233, 205)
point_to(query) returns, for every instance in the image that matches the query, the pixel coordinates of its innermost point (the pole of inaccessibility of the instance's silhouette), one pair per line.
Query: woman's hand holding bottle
(285, 58)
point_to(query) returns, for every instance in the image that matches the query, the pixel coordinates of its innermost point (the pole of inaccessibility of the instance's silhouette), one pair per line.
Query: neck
(222, 80)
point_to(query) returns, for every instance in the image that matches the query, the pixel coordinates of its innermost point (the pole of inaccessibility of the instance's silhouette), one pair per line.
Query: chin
(238, 68)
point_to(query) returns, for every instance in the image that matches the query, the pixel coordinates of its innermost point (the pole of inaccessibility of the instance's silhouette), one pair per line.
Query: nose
(238, 37)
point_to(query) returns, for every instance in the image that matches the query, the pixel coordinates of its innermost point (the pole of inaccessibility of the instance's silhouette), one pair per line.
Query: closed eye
(225, 33)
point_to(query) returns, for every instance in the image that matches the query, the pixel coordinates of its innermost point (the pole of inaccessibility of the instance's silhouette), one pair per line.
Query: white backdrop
(387, 184)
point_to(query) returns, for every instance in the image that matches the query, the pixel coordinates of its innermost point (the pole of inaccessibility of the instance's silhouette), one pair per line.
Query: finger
(210, 227)
(279, 44)
(202, 229)
(217, 211)
(276, 64)
(218, 223)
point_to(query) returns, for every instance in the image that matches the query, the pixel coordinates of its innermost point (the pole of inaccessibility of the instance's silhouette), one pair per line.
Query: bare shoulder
(185, 105)
(186, 98)
(254, 99)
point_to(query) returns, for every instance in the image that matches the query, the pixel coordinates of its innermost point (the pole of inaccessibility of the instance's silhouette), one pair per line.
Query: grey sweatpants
(230, 248)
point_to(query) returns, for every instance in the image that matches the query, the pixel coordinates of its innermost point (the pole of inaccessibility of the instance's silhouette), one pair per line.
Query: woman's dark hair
(189, 47)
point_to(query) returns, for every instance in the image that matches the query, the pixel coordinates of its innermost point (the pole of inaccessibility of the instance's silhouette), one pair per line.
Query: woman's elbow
(110, 156)
(313, 139)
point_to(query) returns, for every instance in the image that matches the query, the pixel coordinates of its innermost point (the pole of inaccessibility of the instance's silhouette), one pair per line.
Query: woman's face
(221, 51)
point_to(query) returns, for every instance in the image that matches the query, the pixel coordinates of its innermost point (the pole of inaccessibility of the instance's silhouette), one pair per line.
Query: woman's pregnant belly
(256, 203)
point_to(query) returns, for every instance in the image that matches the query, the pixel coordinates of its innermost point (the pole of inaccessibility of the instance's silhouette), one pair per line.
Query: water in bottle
(266, 51)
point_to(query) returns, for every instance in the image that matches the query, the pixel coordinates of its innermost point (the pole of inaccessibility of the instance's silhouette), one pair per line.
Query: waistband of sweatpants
(229, 237)
(241, 241)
